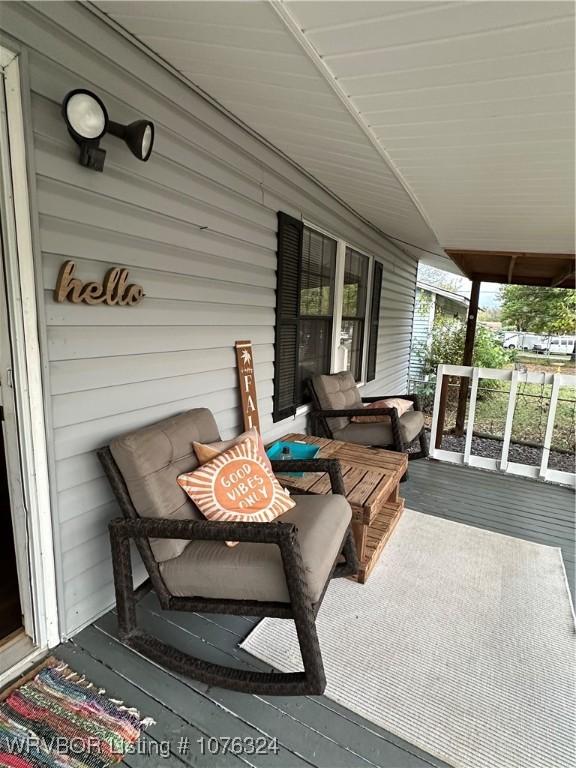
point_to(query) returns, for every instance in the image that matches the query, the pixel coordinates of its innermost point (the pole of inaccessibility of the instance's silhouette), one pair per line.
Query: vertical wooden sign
(245, 364)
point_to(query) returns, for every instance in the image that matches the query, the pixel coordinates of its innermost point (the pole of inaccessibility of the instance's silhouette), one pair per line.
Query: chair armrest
(331, 466)
(157, 528)
(413, 398)
(352, 411)
(392, 412)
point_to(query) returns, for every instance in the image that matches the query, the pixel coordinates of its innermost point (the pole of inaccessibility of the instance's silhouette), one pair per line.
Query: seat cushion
(254, 571)
(380, 433)
(337, 391)
(150, 460)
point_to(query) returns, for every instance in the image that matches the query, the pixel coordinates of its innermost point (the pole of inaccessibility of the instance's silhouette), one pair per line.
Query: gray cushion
(336, 391)
(380, 433)
(254, 571)
(150, 460)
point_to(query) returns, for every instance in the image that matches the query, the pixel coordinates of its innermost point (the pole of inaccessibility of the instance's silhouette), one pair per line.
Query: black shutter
(290, 232)
(374, 320)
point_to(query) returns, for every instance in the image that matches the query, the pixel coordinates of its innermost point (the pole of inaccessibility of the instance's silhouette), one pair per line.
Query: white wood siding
(196, 226)
(423, 320)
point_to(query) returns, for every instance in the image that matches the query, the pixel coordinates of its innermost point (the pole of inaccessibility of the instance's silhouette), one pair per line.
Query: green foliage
(446, 345)
(423, 303)
(539, 310)
(317, 301)
(426, 391)
(490, 315)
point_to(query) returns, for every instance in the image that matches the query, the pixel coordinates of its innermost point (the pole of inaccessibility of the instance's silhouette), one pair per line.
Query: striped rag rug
(60, 719)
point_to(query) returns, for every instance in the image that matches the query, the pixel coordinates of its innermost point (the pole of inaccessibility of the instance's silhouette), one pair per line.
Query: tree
(539, 310)
(490, 315)
(446, 345)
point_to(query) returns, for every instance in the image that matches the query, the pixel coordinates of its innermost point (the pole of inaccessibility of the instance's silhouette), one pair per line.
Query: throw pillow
(237, 486)
(206, 451)
(392, 402)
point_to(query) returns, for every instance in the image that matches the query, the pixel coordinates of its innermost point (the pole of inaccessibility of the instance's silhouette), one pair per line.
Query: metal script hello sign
(114, 290)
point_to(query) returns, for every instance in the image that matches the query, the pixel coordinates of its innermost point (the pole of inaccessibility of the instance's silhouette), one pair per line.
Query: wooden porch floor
(311, 731)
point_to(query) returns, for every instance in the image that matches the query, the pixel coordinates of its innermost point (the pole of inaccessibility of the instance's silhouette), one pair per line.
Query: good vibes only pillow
(237, 486)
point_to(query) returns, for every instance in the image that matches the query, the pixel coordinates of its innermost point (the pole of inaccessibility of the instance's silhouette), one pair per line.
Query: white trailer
(521, 340)
(556, 345)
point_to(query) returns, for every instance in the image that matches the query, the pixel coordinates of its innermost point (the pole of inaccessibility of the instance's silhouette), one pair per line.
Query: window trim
(342, 245)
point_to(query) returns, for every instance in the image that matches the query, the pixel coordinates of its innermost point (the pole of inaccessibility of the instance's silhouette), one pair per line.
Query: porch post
(467, 357)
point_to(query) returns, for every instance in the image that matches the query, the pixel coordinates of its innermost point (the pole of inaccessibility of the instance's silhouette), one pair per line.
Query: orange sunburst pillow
(236, 485)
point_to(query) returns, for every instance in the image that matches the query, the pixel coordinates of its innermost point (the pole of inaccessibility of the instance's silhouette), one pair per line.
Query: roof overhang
(441, 124)
(455, 297)
(553, 270)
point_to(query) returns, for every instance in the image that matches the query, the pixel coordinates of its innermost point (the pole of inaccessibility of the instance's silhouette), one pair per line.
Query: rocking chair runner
(279, 569)
(336, 399)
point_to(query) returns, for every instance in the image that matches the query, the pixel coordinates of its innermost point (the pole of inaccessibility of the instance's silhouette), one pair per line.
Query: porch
(310, 730)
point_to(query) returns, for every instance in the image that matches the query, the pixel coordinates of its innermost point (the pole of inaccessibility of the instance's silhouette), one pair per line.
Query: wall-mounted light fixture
(87, 121)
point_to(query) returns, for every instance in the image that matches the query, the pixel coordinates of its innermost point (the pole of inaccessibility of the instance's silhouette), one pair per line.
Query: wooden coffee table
(371, 477)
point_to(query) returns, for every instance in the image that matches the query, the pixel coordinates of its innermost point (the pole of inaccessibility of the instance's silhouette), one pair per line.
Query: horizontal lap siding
(395, 330)
(423, 316)
(196, 227)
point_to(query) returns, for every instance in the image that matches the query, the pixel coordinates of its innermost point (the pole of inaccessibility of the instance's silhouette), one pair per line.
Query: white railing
(502, 464)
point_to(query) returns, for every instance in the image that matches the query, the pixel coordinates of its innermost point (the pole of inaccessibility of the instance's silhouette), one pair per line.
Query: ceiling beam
(455, 252)
(488, 277)
(515, 267)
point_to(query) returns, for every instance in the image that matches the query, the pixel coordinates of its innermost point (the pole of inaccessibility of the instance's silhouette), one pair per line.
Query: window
(316, 307)
(322, 309)
(354, 311)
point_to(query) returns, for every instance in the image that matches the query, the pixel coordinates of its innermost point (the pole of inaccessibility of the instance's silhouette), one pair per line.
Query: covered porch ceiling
(447, 125)
(553, 270)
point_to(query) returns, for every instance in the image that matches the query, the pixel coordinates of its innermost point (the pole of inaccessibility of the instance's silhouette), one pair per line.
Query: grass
(532, 406)
(530, 414)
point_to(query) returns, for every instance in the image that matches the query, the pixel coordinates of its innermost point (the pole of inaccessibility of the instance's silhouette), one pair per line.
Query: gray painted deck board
(312, 731)
(514, 506)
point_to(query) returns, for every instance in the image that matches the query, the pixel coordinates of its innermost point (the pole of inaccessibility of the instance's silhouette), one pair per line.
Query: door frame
(21, 299)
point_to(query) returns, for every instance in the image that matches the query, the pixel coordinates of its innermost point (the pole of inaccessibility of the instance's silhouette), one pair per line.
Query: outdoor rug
(57, 718)
(462, 643)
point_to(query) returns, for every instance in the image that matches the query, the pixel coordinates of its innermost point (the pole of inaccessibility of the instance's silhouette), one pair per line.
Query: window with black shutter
(290, 232)
(374, 320)
(307, 313)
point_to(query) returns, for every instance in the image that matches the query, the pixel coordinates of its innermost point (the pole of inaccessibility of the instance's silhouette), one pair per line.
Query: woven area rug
(462, 643)
(59, 719)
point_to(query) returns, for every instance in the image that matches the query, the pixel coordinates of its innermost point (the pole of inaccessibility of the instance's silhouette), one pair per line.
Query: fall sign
(245, 364)
(114, 290)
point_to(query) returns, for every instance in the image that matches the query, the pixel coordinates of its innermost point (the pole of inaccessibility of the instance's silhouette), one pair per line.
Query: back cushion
(151, 459)
(336, 391)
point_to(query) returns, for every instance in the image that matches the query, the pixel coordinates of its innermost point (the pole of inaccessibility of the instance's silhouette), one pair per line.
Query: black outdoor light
(87, 121)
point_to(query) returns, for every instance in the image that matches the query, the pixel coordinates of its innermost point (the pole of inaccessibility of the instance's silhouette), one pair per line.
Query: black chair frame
(301, 609)
(320, 426)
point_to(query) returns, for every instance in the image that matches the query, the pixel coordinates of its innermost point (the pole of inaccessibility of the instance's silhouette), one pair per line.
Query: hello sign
(114, 290)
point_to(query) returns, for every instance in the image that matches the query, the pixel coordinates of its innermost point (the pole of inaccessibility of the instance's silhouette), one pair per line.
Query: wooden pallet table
(371, 480)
